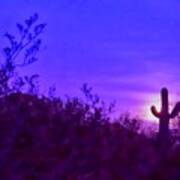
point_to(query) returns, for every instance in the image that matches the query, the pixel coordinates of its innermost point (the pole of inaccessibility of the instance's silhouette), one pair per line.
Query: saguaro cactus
(164, 116)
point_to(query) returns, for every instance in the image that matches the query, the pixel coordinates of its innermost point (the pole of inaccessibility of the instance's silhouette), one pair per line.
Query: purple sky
(126, 50)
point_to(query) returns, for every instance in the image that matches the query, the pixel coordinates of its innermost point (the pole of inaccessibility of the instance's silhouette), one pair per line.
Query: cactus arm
(175, 111)
(155, 112)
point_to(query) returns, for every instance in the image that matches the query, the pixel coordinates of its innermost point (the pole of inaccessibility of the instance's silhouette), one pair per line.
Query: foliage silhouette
(58, 139)
(27, 46)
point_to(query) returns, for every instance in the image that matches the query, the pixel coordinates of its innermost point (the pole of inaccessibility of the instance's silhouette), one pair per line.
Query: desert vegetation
(45, 137)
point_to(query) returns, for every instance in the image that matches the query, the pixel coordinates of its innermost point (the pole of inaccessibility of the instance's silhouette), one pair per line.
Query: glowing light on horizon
(152, 100)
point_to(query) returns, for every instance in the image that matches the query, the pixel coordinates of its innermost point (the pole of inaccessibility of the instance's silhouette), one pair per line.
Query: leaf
(7, 51)
(12, 40)
(35, 17)
(20, 28)
(31, 20)
(34, 76)
(38, 43)
(27, 53)
(30, 37)
(9, 36)
(33, 79)
(39, 28)
(26, 78)
(28, 22)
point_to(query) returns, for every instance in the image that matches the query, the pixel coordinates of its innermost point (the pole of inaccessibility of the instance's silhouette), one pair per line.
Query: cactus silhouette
(164, 116)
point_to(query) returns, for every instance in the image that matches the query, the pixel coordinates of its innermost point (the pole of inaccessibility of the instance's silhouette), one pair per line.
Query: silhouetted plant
(52, 92)
(96, 105)
(164, 116)
(21, 52)
(130, 123)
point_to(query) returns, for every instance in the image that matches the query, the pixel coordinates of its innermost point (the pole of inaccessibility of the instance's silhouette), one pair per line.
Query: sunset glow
(154, 100)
